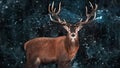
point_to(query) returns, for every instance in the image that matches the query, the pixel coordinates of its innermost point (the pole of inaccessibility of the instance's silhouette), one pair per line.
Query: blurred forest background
(22, 20)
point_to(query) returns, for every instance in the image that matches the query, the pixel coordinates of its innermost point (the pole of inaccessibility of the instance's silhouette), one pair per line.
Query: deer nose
(73, 35)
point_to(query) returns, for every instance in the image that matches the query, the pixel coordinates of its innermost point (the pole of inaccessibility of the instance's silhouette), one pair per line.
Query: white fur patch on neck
(73, 38)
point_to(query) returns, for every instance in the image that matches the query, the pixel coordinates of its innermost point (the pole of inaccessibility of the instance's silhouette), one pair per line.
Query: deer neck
(71, 47)
(70, 44)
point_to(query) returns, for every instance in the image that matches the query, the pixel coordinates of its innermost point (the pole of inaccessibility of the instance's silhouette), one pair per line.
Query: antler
(55, 13)
(89, 15)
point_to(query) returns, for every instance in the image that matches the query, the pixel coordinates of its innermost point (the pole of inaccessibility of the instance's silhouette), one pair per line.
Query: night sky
(22, 20)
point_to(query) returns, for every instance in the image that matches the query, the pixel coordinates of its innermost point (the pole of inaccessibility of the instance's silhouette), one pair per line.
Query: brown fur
(46, 50)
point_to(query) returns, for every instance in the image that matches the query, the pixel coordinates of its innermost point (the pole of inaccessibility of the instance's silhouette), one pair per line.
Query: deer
(60, 50)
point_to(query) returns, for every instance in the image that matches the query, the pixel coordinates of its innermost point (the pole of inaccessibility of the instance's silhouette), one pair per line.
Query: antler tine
(52, 18)
(52, 8)
(91, 5)
(96, 6)
(53, 12)
(61, 22)
(86, 13)
(59, 8)
(80, 20)
(49, 8)
(89, 15)
(79, 23)
(94, 16)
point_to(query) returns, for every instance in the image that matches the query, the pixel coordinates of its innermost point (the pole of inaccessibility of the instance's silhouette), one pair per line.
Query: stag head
(72, 29)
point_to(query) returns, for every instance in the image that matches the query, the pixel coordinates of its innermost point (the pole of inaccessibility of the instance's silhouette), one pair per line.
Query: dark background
(22, 20)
